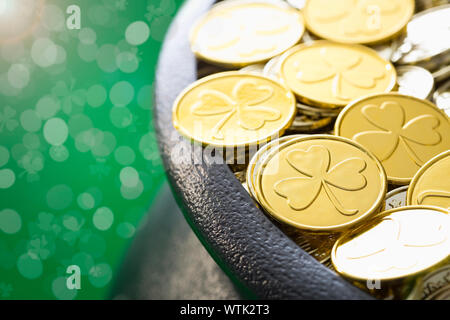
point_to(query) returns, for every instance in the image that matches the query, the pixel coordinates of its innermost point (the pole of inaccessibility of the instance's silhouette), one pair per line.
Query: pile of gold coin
(340, 112)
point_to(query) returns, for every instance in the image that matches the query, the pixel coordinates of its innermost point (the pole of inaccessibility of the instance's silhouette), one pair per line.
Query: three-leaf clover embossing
(432, 193)
(246, 101)
(248, 38)
(314, 165)
(390, 119)
(391, 238)
(349, 69)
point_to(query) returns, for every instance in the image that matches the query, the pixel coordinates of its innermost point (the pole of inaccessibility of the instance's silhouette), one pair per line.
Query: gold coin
(242, 32)
(400, 243)
(328, 74)
(321, 183)
(402, 131)
(431, 184)
(258, 158)
(233, 109)
(357, 21)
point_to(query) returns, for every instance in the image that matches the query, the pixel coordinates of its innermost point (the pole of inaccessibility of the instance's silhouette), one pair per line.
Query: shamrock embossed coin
(357, 21)
(431, 184)
(399, 244)
(328, 74)
(258, 158)
(233, 109)
(402, 131)
(242, 32)
(321, 183)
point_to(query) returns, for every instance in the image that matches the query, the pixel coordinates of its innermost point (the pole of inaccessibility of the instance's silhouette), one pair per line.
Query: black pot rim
(250, 248)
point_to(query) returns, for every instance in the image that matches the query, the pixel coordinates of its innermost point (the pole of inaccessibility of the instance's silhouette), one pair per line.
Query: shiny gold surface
(329, 74)
(402, 131)
(320, 183)
(321, 188)
(258, 158)
(431, 184)
(242, 32)
(399, 243)
(357, 21)
(233, 109)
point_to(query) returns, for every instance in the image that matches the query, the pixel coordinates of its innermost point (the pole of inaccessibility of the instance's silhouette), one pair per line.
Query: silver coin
(442, 74)
(318, 112)
(441, 294)
(396, 198)
(297, 4)
(309, 37)
(415, 81)
(435, 285)
(441, 97)
(256, 68)
(272, 68)
(386, 50)
(427, 39)
(307, 124)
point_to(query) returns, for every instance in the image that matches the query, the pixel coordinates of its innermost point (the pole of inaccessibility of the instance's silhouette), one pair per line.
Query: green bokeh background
(79, 164)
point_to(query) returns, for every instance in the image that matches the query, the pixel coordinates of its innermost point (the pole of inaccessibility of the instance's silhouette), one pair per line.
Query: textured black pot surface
(253, 251)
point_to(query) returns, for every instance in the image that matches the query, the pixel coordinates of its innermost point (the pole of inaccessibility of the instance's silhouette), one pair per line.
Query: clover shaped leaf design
(351, 70)
(248, 39)
(246, 102)
(432, 194)
(390, 240)
(314, 166)
(390, 119)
